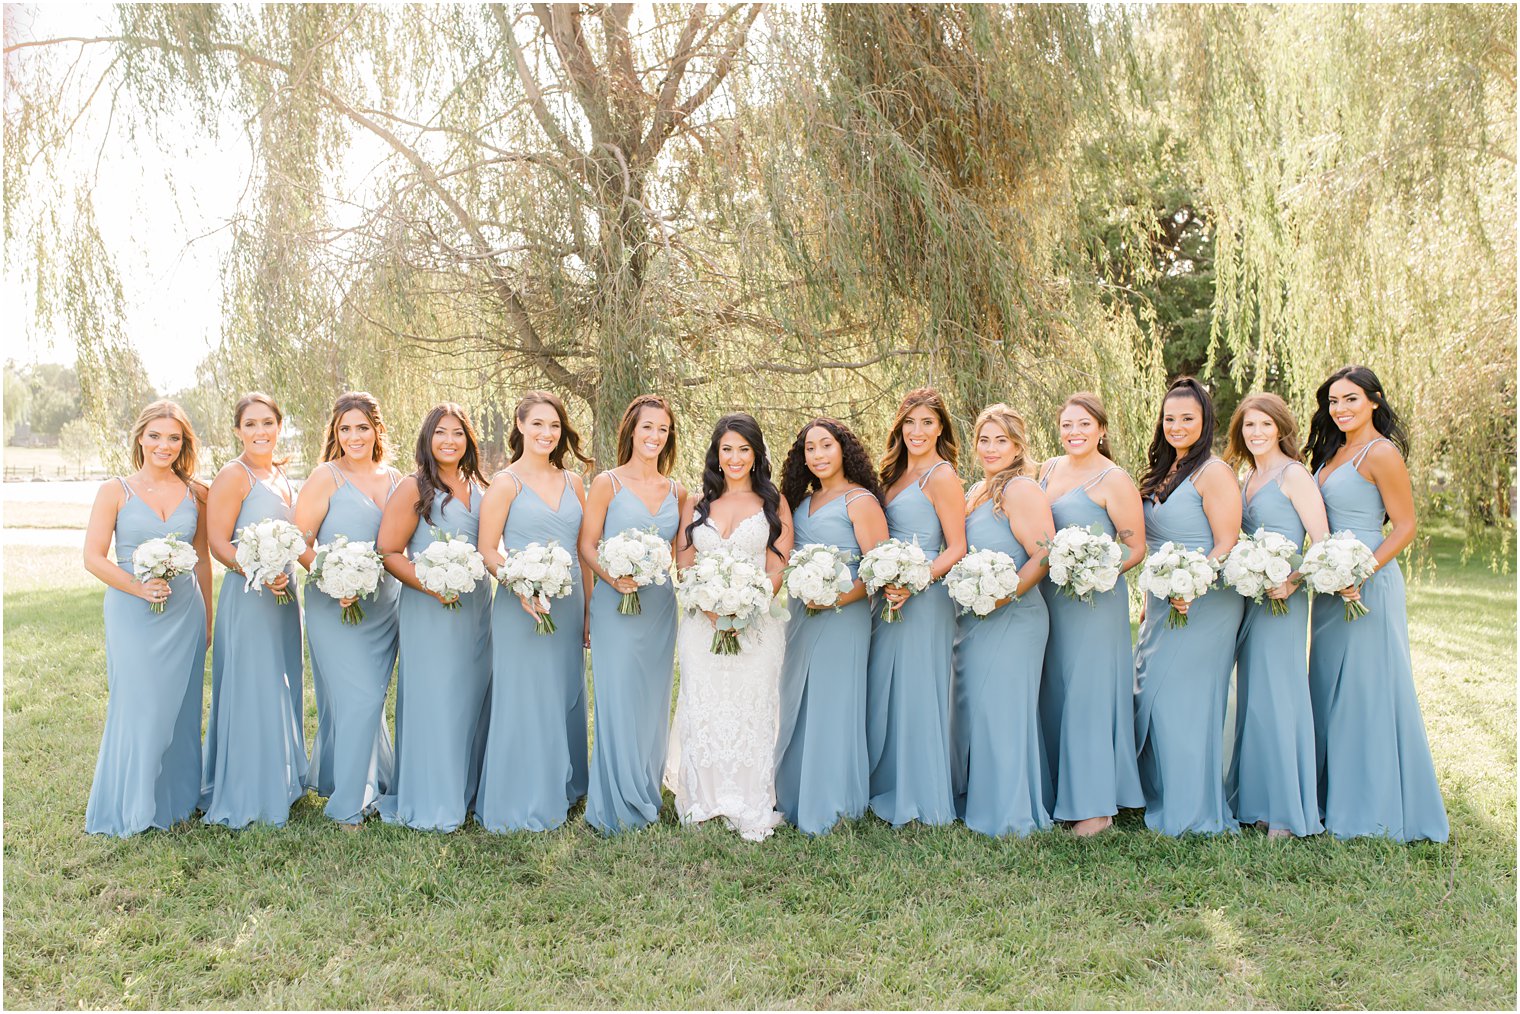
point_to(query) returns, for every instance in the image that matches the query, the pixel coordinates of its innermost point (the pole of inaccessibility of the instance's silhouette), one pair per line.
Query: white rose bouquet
(538, 572)
(265, 550)
(729, 583)
(980, 579)
(1173, 571)
(165, 558)
(818, 575)
(641, 555)
(1084, 560)
(449, 567)
(347, 570)
(1340, 561)
(893, 561)
(1259, 563)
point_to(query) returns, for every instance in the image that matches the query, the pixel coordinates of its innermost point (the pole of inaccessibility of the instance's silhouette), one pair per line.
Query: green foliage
(671, 917)
(47, 396)
(812, 209)
(76, 442)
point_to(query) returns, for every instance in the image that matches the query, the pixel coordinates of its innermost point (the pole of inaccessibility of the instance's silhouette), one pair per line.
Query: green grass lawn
(311, 916)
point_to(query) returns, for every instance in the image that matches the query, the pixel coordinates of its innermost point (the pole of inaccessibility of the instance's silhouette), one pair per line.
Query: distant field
(48, 460)
(45, 514)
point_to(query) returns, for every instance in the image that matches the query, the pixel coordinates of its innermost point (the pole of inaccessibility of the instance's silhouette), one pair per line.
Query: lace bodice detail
(749, 536)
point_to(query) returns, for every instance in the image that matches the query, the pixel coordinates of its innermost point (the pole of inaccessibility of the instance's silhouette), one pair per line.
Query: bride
(723, 742)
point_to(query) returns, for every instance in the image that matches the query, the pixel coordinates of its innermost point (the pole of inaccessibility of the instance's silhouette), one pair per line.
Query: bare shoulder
(1385, 454)
(1216, 476)
(408, 484)
(1296, 479)
(320, 481)
(945, 482)
(110, 493)
(1020, 495)
(578, 483)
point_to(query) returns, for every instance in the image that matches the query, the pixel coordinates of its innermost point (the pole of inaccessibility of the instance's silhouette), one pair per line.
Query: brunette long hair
(428, 475)
(714, 482)
(1325, 438)
(189, 448)
(1236, 452)
(1158, 460)
(798, 481)
(365, 402)
(569, 439)
(895, 460)
(667, 458)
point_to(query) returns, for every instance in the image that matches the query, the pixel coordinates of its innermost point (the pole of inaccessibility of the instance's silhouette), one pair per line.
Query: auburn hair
(1270, 405)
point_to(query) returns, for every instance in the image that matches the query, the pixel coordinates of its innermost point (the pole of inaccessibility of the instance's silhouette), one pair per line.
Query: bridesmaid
(1376, 776)
(822, 765)
(255, 752)
(1182, 675)
(1087, 692)
(908, 675)
(1271, 781)
(351, 664)
(632, 657)
(535, 763)
(148, 773)
(443, 682)
(1000, 774)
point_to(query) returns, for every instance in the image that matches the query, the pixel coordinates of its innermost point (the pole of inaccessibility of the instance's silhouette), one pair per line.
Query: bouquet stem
(545, 624)
(629, 606)
(725, 642)
(451, 604)
(1355, 611)
(891, 613)
(353, 613)
(1279, 607)
(284, 598)
(1174, 619)
(156, 607)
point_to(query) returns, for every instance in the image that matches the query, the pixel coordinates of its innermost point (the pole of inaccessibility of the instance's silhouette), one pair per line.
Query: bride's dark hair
(714, 484)
(798, 481)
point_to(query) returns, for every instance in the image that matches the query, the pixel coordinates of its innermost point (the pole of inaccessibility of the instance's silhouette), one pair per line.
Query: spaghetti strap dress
(535, 764)
(632, 673)
(908, 684)
(1182, 678)
(352, 761)
(1087, 691)
(1376, 776)
(822, 764)
(1272, 768)
(1000, 775)
(148, 771)
(255, 751)
(443, 687)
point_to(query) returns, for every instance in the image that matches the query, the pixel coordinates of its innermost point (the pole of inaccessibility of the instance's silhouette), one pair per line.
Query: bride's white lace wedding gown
(722, 757)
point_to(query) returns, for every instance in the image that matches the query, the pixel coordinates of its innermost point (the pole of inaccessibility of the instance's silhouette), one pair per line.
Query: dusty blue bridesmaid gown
(1088, 689)
(822, 765)
(908, 683)
(535, 763)
(1376, 776)
(1182, 679)
(148, 772)
(999, 771)
(443, 687)
(255, 751)
(632, 672)
(351, 757)
(1272, 768)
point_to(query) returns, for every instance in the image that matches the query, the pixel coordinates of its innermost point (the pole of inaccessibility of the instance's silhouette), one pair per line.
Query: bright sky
(168, 244)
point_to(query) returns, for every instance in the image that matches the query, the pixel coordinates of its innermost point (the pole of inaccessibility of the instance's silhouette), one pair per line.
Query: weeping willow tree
(804, 209)
(932, 156)
(1359, 168)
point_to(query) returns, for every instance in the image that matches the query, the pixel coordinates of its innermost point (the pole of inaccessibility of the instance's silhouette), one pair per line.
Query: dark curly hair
(714, 483)
(798, 481)
(1325, 438)
(1156, 482)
